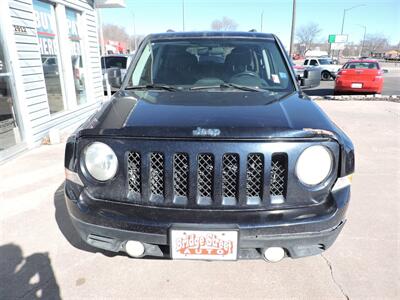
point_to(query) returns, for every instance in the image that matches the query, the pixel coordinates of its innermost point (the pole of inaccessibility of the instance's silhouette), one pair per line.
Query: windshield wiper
(153, 86)
(227, 85)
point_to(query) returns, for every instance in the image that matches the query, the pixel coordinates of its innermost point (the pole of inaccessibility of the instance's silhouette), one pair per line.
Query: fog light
(134, 248)
(274, 254)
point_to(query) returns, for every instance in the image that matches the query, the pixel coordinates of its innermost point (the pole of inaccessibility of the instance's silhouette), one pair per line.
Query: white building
(50, 74)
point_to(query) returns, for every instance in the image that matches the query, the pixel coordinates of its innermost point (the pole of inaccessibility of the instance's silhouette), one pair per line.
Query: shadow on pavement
(29, 277)
(65, 225)
(319, 92)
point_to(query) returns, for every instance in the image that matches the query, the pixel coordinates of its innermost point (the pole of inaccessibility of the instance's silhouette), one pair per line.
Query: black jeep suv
(209, 150)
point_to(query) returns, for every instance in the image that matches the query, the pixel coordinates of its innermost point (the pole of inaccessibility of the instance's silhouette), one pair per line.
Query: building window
(73, 19)
(48, 42)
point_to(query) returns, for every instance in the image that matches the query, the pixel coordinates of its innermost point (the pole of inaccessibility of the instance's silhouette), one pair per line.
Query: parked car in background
(360, 76)
(328, 67)
(119, 61)
(209, 150)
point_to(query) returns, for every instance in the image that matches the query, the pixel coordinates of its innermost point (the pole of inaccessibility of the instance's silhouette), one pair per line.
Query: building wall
(32, 94)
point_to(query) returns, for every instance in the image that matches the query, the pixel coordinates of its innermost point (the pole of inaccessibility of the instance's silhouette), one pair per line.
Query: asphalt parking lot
(41, 256)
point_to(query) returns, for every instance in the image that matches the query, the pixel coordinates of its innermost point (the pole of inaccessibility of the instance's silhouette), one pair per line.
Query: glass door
(9, 132)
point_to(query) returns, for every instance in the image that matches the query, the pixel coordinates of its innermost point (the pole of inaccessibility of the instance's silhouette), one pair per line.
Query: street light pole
(262, 19)
(344, 16)
(183, 15)
(363, 41)
(134, 32)
(293, 29)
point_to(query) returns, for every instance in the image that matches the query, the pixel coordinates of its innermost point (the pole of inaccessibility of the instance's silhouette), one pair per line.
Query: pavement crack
(334, 279)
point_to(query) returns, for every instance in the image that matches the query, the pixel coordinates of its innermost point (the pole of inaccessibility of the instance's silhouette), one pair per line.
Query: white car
(328, 68)
(119, 61)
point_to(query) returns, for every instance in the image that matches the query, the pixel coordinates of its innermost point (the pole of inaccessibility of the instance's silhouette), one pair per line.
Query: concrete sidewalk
(41, 255)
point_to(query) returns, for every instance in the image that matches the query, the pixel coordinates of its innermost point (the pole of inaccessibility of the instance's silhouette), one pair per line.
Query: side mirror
(311, 78)
(114, 77)
(385, 70)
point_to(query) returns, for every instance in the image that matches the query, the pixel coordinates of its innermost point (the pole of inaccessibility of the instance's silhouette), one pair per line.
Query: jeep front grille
(134, 172)
(157, 174)
(254, 178)
(230, 176)
(278, 177)
(181, 174)
(207, 179)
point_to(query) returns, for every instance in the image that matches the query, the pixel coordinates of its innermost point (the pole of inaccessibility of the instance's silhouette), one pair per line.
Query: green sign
(331, 38)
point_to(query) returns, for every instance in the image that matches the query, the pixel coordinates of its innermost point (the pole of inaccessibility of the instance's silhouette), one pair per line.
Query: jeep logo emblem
(206, 132)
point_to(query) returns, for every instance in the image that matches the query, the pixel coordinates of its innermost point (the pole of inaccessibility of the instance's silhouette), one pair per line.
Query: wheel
(325, 75)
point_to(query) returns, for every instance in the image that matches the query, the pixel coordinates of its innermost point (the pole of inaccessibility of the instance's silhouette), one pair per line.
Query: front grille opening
(205, 175)
(156, 176)
(230, 176)
(254, 178)
(181, 178)
(278, 186)
(134, 166)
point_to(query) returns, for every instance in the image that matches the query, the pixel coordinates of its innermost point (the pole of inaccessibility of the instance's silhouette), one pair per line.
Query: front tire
(325, 75)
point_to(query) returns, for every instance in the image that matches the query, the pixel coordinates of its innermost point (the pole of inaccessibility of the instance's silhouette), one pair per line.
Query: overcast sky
(380, 16)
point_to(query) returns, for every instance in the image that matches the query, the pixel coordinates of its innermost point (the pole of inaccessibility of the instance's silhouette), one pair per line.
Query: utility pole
(134, 31)
(344, 16)
(363, 41)
(262, 21)
(183, 15)
(293, 29)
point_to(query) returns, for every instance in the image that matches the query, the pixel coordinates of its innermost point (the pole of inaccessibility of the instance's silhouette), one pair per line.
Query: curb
(374, 97)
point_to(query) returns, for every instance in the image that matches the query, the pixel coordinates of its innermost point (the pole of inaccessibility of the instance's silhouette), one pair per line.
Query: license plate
(356, 85)
(205, 245)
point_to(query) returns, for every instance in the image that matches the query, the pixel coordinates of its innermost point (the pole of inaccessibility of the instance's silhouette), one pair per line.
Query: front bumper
(301, 232)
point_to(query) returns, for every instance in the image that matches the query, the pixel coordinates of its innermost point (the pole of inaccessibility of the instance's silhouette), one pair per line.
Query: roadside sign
(337, 38)
(331, 38)
(337, 46)
(341, 38)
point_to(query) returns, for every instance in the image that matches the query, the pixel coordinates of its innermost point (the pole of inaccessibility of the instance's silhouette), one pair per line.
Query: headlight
(314, 165)
(100, 161)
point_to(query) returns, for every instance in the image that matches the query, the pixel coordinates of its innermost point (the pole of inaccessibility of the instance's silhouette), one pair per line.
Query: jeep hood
(237, 115)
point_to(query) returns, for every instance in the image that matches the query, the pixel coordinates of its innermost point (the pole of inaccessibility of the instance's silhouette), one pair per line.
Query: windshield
(191, 63)
(113, 62)
(361, 65)
(325, 62)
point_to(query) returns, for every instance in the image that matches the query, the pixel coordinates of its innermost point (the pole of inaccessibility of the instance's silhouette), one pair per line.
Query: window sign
(47, 35)
(76, 55)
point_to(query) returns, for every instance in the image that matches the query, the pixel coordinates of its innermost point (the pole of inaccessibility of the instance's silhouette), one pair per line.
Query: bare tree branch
(375, 43)
(306, 35)
(115, 33)
(226, 24)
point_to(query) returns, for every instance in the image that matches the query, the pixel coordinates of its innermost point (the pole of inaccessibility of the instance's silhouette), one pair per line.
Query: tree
(306, 35)
(225, 24)
(375, 43)
(115, 33)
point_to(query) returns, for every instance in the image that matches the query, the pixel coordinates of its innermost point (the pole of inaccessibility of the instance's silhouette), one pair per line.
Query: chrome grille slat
(205, 173)
(277, 186)
(134, 172)
(254, 178)
(278, 178)
(157, 174)
(181, 174)
(230, 174)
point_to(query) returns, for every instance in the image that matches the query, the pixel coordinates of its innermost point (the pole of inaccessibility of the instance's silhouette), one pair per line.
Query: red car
(364, 76)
